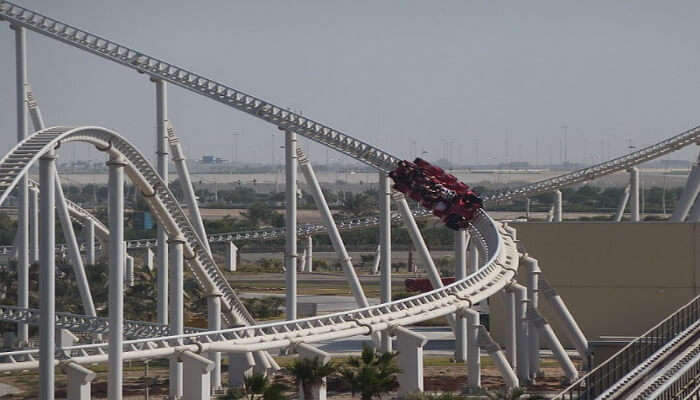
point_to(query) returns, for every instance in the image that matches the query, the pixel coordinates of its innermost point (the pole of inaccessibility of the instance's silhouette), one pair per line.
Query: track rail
(162, 202)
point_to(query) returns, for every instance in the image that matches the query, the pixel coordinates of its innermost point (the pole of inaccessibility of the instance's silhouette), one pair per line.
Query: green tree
(309, 374)
(372, 374)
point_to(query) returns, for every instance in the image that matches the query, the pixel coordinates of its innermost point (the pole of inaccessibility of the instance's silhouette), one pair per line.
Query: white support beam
(532, 268)
(384, 250)
(47, 276)
(309, 254)
(521, 324)
(421, 247)
(473, 351)
(557, 215)
(177, 309)
(90, 241)
(231, 256)
(510, 326)
(73, 250)
(196, 370)
(33, 225)
(79, 381)
(290, 249)
(240, 366)
(623, 204)
(162, 168)
(129, 272)
(571, 328)
(695, 213)
(183, 174)
(115, 210)
(689, 195)
(377, 260)
(553, 343)
(460, 273)
(410, 359)
(149, 259)
(302, 261)
(333, 233)
(634, 194)
(494, 350)
(214, 324)
(22, 244)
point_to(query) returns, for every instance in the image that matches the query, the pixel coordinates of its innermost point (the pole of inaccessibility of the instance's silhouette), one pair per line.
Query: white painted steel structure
(493, 255)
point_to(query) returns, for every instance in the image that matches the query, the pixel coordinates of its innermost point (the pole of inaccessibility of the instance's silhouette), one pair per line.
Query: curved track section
(498, 260)
(648, 153)
(162, 202)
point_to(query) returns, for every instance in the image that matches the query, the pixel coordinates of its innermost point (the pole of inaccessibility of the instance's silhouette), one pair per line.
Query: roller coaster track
(166, 209)
(84, 323)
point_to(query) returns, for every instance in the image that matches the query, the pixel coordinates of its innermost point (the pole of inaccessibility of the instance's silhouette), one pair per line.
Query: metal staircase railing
(613, 370)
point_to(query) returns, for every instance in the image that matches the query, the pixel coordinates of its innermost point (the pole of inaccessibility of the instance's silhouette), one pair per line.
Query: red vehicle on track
(450, 200)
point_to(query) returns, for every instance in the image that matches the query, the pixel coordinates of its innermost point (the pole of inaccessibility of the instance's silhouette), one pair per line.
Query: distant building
(207, 159)
(143, 220)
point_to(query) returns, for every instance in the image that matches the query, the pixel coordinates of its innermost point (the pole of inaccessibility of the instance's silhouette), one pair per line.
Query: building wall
(618, 279)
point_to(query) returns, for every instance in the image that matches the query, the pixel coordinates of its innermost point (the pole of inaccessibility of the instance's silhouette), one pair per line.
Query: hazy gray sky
(472, 76)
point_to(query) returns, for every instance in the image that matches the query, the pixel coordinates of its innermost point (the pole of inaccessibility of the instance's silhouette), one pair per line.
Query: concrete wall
(618, 279)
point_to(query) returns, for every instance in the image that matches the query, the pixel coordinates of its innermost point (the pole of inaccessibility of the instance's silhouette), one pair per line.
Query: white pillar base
(79, 381)
(410, 347)
(197, 383)
(310, 352)
(240, 366)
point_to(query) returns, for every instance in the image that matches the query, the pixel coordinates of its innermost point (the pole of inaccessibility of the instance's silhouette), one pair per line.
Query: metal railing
(624, 361)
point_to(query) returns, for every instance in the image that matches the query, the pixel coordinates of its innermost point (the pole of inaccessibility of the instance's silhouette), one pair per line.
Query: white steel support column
(196, 370)
(79, 381)
(309, 254)
(177, 309)
(571, 328)
(420, 245)
(333, 233)
(47, 276)
(148, 261)
(553, 343)
(115, 210)
(290, 197)
(473, 351)
(634, 194)
(460, 273)
(689, 195)
(214, 324)
(523, 354)
(533, 273)
(162, 167)
(73, 250)
(510, 325)
(231, 256)
(494, 350)
(527, 209)
(33, 225)
(90, 241)
(306, 351)
(557, 206)
(22, 188)
(384, 250)
(183, 173)
(302, 261)
(623, 204)
(129, 272)
(377, 260)
(410, 359)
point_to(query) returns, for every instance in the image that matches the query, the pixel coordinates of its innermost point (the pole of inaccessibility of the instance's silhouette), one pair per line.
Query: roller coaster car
(450, 200)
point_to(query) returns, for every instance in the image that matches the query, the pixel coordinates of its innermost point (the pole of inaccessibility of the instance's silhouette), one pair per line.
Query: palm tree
(309, 373)
(257, 387)
(372, 374)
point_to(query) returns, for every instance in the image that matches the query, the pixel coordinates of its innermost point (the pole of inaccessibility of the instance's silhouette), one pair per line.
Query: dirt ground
(440, 376)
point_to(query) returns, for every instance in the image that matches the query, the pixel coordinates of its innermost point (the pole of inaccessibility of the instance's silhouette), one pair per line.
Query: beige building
(618, 279)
